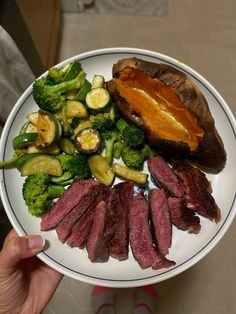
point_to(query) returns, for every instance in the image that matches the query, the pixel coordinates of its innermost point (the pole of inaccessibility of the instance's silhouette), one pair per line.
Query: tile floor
(203, 35)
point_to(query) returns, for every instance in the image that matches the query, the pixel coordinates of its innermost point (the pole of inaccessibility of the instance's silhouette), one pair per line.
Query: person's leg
(145, 300)
(103, 300)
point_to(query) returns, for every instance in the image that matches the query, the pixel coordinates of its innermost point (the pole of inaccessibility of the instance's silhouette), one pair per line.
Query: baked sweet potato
(171, 110)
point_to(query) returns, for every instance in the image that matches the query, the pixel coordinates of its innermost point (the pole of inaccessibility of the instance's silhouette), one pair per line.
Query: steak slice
(198, 190)
(118, 247)
(80, 231)
(96, 246)
(160, 216)
(183, 217)
(162, 173)
(110, 221)
(85, 207)
(140, 236)
(68, 200)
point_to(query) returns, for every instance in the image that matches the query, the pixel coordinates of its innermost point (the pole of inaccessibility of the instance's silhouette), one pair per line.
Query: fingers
(16, 248)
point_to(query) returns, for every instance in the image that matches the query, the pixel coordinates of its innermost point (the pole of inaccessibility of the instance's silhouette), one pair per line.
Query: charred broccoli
(51, 97)
(38, 192)
(133, 136)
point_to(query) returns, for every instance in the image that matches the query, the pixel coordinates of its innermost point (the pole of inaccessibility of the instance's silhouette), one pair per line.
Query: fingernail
(36, 242)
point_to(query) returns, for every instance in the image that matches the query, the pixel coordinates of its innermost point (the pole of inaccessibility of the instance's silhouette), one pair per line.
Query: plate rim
(150, 279)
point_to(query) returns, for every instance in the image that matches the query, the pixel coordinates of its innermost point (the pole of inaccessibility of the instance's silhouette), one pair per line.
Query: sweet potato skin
(210, 155)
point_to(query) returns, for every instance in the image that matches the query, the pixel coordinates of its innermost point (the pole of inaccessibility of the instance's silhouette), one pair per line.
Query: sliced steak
(140, 236)
(85, 207)
(164, 175)
(183, 217)
(110, 220)
(198, 190)
(68, 200)
(96, 246)
(80, 231)
(118, 247)
(160, 216)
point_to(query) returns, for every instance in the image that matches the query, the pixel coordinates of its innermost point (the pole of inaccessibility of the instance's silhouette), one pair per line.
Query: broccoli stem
(67, 175)
(10, 163)
(109, 149)
(121, 124)
(118, 149)
(67, 85)
(55, 190)
(73, 71)
(66, 126)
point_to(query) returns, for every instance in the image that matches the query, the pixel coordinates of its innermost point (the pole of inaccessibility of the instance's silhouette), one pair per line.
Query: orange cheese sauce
(159, 106)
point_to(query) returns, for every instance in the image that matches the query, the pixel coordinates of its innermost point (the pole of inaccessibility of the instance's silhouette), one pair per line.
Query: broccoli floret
(38, 193)
(147, 152)
(102, 121)
(106, 120)
(133, 136)
(76, 164)
(109, 137)
(55, 75)
(51, 97)
(132, 158)
(66, 73)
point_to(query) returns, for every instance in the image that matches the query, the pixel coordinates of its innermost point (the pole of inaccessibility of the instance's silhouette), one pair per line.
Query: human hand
(26, 283)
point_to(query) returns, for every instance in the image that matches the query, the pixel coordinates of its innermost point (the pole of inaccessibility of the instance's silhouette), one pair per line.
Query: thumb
(16, 248)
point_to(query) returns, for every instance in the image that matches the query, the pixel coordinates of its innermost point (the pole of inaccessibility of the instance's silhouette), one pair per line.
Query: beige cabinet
(42, 19)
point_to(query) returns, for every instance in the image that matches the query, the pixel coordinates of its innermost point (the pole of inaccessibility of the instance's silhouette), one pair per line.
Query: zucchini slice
(48, 129)
(67, 145)
(53, 149)
(98, 99)
(24, 140)
(82, 125)
(28, 127)
(33, 117)
(75, 109)
(23, 128)
(88, 140)
(71, 94)
(98, 81)
(41, 163)
(101, 169)
(130, 174)
(31, 128)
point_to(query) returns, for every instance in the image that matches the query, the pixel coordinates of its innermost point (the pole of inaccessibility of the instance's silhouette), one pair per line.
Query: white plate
(186, 249)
